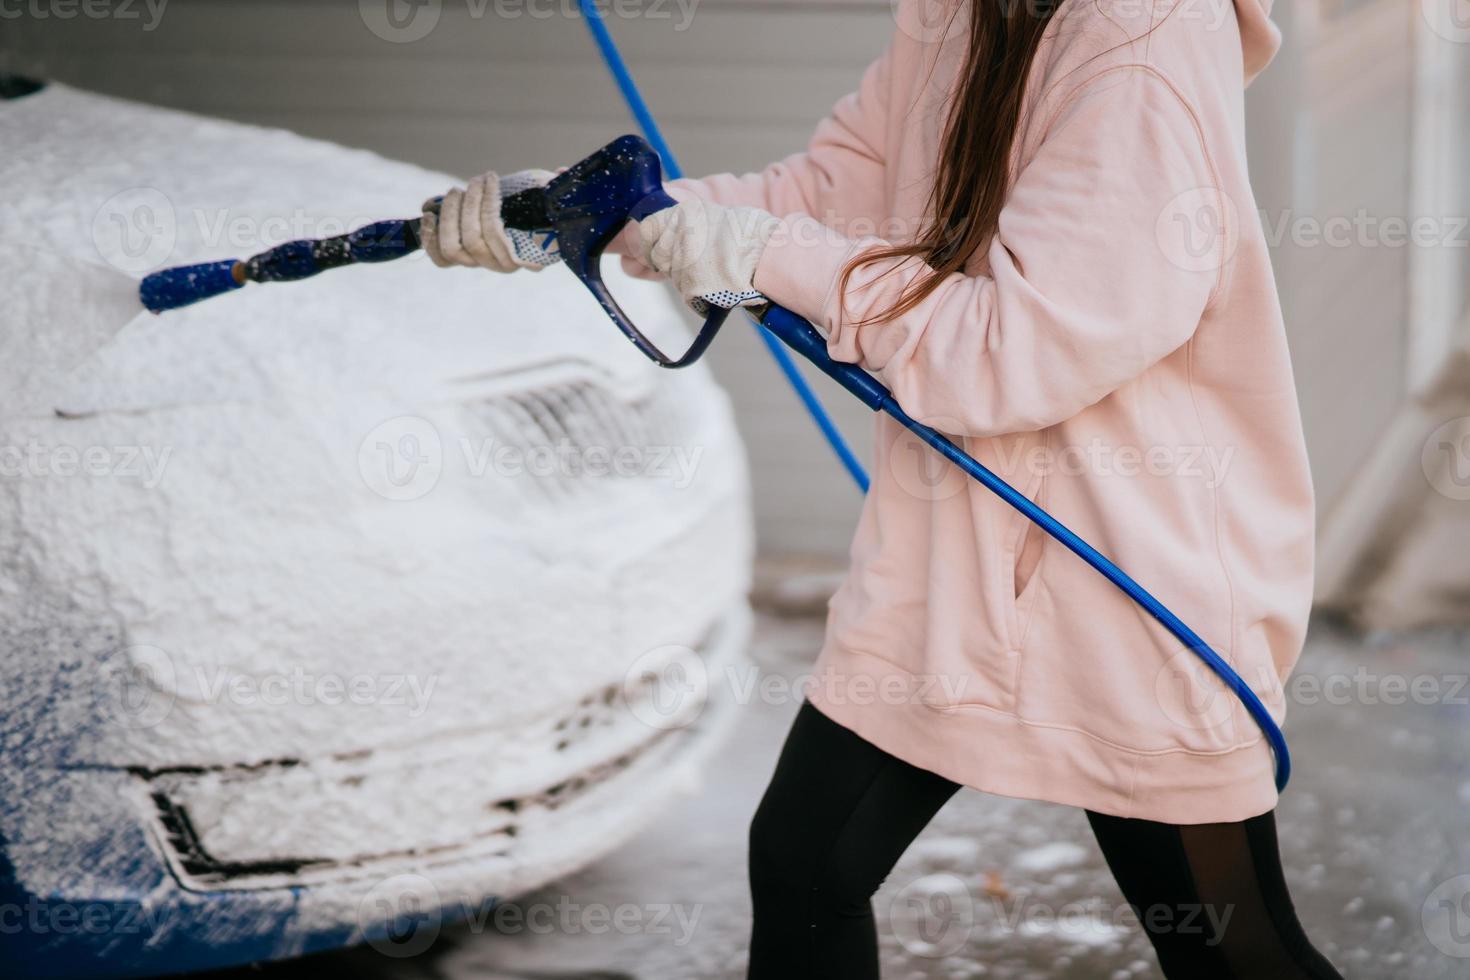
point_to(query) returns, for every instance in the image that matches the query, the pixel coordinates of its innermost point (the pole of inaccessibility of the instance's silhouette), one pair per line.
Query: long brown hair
(973, 175)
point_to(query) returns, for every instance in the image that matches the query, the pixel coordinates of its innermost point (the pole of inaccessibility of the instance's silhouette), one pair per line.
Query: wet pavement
(1375, 830)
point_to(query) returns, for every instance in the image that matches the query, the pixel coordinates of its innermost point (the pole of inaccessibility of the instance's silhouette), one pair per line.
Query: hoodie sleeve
(1107, 253)
(840, 175)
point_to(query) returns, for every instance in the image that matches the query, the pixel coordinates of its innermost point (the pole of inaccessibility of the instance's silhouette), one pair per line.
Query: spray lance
(585, 207)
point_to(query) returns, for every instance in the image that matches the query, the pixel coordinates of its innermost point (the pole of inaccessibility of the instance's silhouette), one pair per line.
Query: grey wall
(516, 83)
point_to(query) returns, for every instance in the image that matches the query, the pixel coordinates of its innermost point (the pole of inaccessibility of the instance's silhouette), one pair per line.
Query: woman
(1033, 222)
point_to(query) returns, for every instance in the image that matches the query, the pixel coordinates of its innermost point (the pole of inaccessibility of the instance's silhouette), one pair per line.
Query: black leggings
(840, 812)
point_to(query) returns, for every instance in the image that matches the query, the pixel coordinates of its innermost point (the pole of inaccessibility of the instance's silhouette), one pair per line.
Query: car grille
(218, 824)
(584, 420)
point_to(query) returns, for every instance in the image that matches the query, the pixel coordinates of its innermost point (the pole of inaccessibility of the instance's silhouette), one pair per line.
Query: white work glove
(709, 251)
(467, 229)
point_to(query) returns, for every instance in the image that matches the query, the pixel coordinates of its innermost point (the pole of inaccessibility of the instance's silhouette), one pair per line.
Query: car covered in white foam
(330, 606)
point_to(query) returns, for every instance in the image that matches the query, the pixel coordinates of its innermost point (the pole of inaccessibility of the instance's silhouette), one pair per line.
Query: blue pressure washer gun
(586, 206)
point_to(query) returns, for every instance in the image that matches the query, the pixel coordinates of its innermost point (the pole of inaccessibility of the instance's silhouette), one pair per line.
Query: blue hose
(636, 104)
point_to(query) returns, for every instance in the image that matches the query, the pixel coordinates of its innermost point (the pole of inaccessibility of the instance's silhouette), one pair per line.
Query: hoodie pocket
(1026, 549)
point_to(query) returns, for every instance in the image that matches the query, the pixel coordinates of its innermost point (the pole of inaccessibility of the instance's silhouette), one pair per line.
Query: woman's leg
(1212, 898)
(835, 819)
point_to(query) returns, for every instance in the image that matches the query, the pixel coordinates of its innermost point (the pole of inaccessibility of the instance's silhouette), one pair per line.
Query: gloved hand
(467, 230)
(709, 251)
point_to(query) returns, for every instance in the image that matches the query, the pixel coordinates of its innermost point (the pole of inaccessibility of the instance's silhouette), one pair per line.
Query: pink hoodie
(1117, 353)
